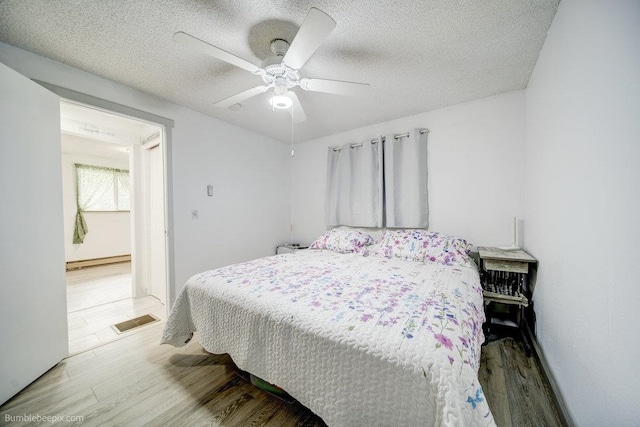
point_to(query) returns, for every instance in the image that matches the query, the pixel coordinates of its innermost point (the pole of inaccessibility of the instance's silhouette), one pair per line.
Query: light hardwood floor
(135, 381)
(98, 297)
(93, 286)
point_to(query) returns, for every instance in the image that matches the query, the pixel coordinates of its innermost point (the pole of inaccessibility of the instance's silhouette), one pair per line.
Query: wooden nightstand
(505, 284)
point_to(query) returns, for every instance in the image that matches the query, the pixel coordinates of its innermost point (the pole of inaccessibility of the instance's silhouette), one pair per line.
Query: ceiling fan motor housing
(277, 74)
(279, 47)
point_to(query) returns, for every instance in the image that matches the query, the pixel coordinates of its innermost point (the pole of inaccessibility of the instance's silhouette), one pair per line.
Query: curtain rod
(357, 144)
(404, 135)
(376, 140)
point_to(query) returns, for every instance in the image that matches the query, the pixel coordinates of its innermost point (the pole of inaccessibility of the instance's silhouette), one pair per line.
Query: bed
(366, 337)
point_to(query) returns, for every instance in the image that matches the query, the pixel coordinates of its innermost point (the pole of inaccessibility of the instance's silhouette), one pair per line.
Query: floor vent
(134, 323)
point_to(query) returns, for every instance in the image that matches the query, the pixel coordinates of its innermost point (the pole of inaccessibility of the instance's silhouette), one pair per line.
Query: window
(102, 189)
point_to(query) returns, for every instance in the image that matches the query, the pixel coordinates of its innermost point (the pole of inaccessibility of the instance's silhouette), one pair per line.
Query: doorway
(119, 271)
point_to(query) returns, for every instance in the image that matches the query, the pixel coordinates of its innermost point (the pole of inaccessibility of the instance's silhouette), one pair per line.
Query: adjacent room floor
(99, 297)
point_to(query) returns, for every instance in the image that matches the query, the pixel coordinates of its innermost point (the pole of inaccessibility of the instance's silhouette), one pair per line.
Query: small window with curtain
(99, 189)
(102, 189)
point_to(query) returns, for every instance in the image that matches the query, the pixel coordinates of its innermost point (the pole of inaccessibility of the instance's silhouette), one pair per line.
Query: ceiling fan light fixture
(281, 102)
(281, 71)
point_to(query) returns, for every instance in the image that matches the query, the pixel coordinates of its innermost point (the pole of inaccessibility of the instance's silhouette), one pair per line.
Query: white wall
(109, 232)
(475, 157)
(249, 212)
(583, 206)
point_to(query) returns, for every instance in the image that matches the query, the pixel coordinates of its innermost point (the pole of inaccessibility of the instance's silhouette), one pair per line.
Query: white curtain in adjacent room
(354, 185)
(99, 189)
(405, 180)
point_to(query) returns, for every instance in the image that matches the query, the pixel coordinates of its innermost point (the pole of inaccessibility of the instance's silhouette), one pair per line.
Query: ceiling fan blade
(335, 86)
(314, 29)
(216, 52)
(296, 110)
(239, 97)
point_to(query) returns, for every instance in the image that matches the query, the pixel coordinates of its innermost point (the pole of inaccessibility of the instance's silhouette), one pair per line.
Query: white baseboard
(565, 417)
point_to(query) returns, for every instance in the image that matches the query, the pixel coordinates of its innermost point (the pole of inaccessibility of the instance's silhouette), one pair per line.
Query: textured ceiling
(417, 55)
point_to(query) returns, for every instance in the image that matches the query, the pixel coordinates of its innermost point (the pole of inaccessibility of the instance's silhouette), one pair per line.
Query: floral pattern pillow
(343, 241)
(424, 246)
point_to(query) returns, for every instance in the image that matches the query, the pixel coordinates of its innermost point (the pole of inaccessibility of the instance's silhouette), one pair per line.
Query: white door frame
(150, 216)
(167, 125)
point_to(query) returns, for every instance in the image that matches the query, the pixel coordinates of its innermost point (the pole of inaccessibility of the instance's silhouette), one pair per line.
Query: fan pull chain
(292, 150)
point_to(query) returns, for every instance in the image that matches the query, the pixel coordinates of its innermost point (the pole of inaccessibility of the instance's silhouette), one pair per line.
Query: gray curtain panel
(354, 185)
(405, 181)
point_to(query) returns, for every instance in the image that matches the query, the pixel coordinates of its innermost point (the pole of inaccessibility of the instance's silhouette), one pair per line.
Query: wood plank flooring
(135, 381)
(515, 387)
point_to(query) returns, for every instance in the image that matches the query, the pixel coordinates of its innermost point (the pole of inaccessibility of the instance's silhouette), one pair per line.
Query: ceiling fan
(281, 71)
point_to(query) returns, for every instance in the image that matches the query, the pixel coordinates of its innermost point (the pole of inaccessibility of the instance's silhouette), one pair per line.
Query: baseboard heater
(75, 265)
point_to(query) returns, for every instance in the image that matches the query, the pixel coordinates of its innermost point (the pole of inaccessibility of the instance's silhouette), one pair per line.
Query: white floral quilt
(361, 341)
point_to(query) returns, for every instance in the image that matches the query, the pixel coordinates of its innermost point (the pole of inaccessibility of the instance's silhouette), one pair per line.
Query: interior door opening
(119, 271)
